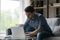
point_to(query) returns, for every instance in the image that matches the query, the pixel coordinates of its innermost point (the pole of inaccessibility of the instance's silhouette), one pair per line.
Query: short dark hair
(29, 9)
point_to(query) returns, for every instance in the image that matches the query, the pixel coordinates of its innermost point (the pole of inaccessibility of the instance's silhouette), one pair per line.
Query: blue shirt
(38, 22)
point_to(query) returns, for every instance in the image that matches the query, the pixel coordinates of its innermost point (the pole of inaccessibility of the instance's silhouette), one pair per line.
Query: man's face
(29, 15)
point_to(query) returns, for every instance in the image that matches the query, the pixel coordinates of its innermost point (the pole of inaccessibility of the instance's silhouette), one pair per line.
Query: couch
(54, 24)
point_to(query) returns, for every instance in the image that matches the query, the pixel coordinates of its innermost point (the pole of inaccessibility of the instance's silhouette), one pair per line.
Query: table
(9, 38)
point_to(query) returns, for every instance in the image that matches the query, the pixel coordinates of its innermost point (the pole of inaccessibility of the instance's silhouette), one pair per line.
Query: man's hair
(29, 9)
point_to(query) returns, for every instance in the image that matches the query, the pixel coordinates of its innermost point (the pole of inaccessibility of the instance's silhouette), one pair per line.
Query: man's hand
(30, 34)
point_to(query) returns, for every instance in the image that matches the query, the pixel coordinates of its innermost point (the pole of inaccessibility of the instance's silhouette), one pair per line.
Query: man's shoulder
(38, 14)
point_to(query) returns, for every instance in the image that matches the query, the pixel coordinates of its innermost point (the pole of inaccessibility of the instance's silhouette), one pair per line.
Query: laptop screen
(18, 33)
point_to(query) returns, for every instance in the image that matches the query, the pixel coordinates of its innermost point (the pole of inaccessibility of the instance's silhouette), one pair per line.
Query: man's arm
(33, 33)
(37, 29)
(25, 25)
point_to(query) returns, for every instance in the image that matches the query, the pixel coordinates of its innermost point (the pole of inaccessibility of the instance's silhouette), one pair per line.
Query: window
(12, 13)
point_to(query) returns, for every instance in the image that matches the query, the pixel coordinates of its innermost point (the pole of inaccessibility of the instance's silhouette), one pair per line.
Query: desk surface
(9, 38)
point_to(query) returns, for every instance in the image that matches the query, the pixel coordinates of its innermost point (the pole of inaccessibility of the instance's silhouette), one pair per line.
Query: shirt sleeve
(39, 26)
(26, 22)
(42, 22)
(25, 25)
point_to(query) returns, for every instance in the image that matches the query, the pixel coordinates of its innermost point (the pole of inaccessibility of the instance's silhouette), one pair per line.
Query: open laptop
(16, 32)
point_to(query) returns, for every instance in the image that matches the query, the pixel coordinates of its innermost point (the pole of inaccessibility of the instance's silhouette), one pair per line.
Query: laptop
(16, 32)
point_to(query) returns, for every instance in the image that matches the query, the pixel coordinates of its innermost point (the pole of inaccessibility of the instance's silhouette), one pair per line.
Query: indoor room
(25, 19)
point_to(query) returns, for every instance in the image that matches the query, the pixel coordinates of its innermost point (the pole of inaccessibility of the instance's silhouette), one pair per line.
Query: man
(36, 24)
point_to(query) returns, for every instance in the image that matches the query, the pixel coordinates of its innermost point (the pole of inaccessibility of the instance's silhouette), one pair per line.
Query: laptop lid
(18, 32)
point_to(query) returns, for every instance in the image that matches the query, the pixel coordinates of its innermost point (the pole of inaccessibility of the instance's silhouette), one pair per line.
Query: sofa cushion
(52, 28)
(56, 30)
(52, 21)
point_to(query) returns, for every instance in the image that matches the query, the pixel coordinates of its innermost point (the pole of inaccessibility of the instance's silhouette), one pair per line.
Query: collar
(37, 15)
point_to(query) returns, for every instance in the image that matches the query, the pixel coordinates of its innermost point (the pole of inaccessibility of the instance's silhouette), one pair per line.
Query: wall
(52, 11)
